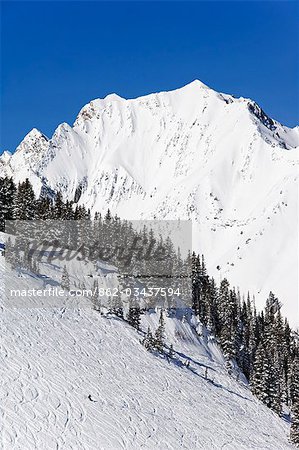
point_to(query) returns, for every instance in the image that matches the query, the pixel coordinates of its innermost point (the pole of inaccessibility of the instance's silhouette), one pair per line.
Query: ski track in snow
(51, 360)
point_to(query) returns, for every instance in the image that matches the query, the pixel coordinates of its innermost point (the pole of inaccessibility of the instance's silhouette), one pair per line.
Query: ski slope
(53, 359)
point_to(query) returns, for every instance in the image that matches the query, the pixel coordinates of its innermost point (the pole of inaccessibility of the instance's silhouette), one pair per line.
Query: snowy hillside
(71, 379)
(190, 153)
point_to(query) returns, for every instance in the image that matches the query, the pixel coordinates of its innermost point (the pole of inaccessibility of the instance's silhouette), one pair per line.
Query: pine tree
(294, 380)
(252, 337)
(108, 216)
(266, 379)
(118, 311)
(159, 334)
(257, 381)
(229, 320)
(196, 285)
(43, 209)
(149, 341)
(7, 195)
(65, 280)
(116, 306)
(58, 207)
(24, 201)
(286, 363)
(212, 313)
(294, 431)
(243, 354)
(273, 399)
(134, 316)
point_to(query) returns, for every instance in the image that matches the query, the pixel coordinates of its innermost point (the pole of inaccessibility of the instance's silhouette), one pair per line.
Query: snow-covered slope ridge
(53, 359)
(190, 153)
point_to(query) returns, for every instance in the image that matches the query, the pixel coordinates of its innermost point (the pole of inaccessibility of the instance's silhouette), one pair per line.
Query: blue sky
(57, 56)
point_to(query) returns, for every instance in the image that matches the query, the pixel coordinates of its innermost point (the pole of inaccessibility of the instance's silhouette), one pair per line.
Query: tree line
(262, 343)
(19, 202)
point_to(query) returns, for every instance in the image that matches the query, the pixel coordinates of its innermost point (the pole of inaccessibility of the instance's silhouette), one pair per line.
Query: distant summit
(191, 153)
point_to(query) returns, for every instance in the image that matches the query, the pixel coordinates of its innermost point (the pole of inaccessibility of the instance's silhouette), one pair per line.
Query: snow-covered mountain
(190, 153)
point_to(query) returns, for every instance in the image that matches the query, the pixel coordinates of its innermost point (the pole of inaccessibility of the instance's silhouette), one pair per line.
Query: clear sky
(57, 56)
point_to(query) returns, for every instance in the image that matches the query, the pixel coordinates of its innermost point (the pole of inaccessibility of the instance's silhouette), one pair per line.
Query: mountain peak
(31, 139)
(6, 155)
(194, 86)
(194, 89)
(198, 84)
(63, 127)
(33, 134)
(113, 98)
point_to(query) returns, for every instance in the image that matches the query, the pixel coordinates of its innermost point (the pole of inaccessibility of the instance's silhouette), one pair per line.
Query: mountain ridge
(114, 97)
(191, 153)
